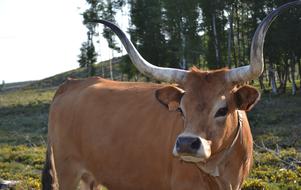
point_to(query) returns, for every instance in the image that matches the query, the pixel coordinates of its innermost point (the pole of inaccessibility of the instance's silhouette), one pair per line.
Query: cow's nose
(188, 145)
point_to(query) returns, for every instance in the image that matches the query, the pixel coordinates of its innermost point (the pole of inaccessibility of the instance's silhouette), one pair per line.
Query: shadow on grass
(276, 120)
(24, 124)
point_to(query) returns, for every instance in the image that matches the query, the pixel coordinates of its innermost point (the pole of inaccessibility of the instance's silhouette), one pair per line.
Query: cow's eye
(180, 110)
(221, 112)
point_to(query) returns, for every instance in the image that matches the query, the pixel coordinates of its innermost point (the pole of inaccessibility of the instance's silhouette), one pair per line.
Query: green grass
(23, 128)
(24, 116)
(276, 120)
(278, 171)
(22, 163)
(275, 123)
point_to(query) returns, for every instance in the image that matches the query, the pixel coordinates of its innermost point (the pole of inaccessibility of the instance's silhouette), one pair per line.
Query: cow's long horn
(254, 70)
(158, 73)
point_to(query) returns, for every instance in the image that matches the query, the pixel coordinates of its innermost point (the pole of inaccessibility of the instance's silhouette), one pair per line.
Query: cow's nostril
(188, 145)
(195, 145)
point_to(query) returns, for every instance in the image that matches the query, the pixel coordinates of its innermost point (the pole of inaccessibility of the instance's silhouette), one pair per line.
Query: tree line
(209, 34)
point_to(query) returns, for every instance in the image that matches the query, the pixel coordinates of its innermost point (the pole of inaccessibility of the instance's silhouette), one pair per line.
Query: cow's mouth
(192, 159)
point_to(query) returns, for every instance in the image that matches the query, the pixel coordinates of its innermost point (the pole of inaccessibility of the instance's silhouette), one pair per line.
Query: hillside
(101, 69)
(275, 121)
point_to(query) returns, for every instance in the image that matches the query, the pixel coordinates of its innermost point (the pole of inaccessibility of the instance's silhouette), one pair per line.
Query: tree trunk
(286, 77)
(293, 64)
(299, 68)
(230, 31)
(234, 51)
(238, 36)
(262, 87)
(283, 81)
(102, 71)
(111, 66)
(89, 70)
(243, 59)
(183, 63)
(272, 78)
(216, 42)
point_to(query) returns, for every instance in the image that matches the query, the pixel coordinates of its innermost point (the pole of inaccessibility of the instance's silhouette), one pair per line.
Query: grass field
(276, 126)
(23, 128)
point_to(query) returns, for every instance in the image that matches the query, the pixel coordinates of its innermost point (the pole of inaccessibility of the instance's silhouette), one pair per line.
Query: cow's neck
(212, 166)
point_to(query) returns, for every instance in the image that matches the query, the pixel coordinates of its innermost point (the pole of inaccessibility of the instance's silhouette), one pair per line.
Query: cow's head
(208, 106)
(208, 100)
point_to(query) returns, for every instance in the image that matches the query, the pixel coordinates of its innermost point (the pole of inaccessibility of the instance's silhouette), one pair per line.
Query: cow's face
(209, 107)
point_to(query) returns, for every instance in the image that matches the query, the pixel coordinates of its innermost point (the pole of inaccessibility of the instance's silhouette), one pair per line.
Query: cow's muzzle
(192, 148)
(188, 145)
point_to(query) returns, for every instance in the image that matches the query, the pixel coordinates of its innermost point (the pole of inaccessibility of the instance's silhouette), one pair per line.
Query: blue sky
(41, 38)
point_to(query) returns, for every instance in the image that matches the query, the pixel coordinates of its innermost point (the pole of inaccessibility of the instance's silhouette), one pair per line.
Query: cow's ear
(170, 96)
(246, 97)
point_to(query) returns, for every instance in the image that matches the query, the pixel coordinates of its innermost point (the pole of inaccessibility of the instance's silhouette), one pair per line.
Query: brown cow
(131, 136)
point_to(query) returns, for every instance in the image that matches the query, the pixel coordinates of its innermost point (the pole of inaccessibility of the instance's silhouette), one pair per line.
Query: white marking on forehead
(221, 102)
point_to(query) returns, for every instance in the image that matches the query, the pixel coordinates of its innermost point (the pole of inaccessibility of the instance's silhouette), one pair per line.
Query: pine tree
(88, 56)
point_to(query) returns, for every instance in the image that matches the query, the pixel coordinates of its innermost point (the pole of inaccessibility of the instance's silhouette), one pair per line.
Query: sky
(41, 38)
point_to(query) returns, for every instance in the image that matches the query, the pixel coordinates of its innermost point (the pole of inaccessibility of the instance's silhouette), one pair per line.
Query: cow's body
(129, 136)
(122, 136)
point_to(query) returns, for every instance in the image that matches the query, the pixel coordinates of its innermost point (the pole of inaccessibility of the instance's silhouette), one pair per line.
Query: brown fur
(119, 135)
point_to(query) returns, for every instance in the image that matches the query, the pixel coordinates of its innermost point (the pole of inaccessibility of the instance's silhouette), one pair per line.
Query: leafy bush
(256, 184)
